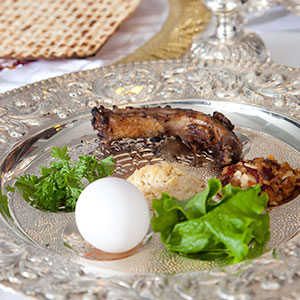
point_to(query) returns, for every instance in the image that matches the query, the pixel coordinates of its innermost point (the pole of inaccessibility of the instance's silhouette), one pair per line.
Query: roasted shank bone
(199, 131)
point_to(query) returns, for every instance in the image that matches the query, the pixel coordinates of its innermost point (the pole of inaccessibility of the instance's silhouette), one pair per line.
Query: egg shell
(112, 215)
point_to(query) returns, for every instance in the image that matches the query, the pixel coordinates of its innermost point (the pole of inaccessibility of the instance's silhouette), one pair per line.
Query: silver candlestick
(230, 40)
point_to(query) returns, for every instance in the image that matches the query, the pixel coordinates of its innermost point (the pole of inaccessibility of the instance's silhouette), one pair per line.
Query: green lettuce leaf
(201, 227)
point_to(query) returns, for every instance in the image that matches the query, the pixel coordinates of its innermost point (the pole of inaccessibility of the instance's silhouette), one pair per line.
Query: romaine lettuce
(201, 227)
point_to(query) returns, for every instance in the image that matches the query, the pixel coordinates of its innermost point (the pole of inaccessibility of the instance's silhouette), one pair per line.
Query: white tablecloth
(279, 30)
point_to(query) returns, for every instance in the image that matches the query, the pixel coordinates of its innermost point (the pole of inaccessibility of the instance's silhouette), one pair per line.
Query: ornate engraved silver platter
(39, 256)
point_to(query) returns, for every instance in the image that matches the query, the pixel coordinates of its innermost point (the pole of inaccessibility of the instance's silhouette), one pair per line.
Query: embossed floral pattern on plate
(34, 271)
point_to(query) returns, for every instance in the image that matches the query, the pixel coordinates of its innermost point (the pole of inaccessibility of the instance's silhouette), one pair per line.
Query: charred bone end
(220, 117)
(228, 150)
(100, 121)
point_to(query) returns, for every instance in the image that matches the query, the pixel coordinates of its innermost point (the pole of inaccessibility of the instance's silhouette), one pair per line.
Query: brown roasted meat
(199, 131)
(279, 180)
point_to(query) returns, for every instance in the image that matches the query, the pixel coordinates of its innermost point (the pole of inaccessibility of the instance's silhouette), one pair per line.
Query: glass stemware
(230, 40)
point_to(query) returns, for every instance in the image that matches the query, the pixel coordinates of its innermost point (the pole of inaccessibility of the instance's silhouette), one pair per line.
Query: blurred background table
(279, 29)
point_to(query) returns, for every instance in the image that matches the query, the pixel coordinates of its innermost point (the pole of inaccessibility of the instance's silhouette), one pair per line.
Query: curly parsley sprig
(59, 185)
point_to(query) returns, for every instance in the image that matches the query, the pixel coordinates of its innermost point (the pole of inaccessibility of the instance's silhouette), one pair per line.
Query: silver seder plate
(42, 255)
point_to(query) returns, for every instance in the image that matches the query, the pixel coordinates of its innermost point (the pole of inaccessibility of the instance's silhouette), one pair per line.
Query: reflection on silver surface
(257, 98)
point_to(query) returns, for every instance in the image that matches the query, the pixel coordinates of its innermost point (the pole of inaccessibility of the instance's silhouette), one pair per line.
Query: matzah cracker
(59, 28)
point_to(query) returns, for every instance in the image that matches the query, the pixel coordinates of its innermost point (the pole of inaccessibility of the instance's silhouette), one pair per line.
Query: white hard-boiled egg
(112, 215)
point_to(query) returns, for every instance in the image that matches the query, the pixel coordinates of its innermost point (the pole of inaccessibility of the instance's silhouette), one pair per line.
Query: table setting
(237, 58)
